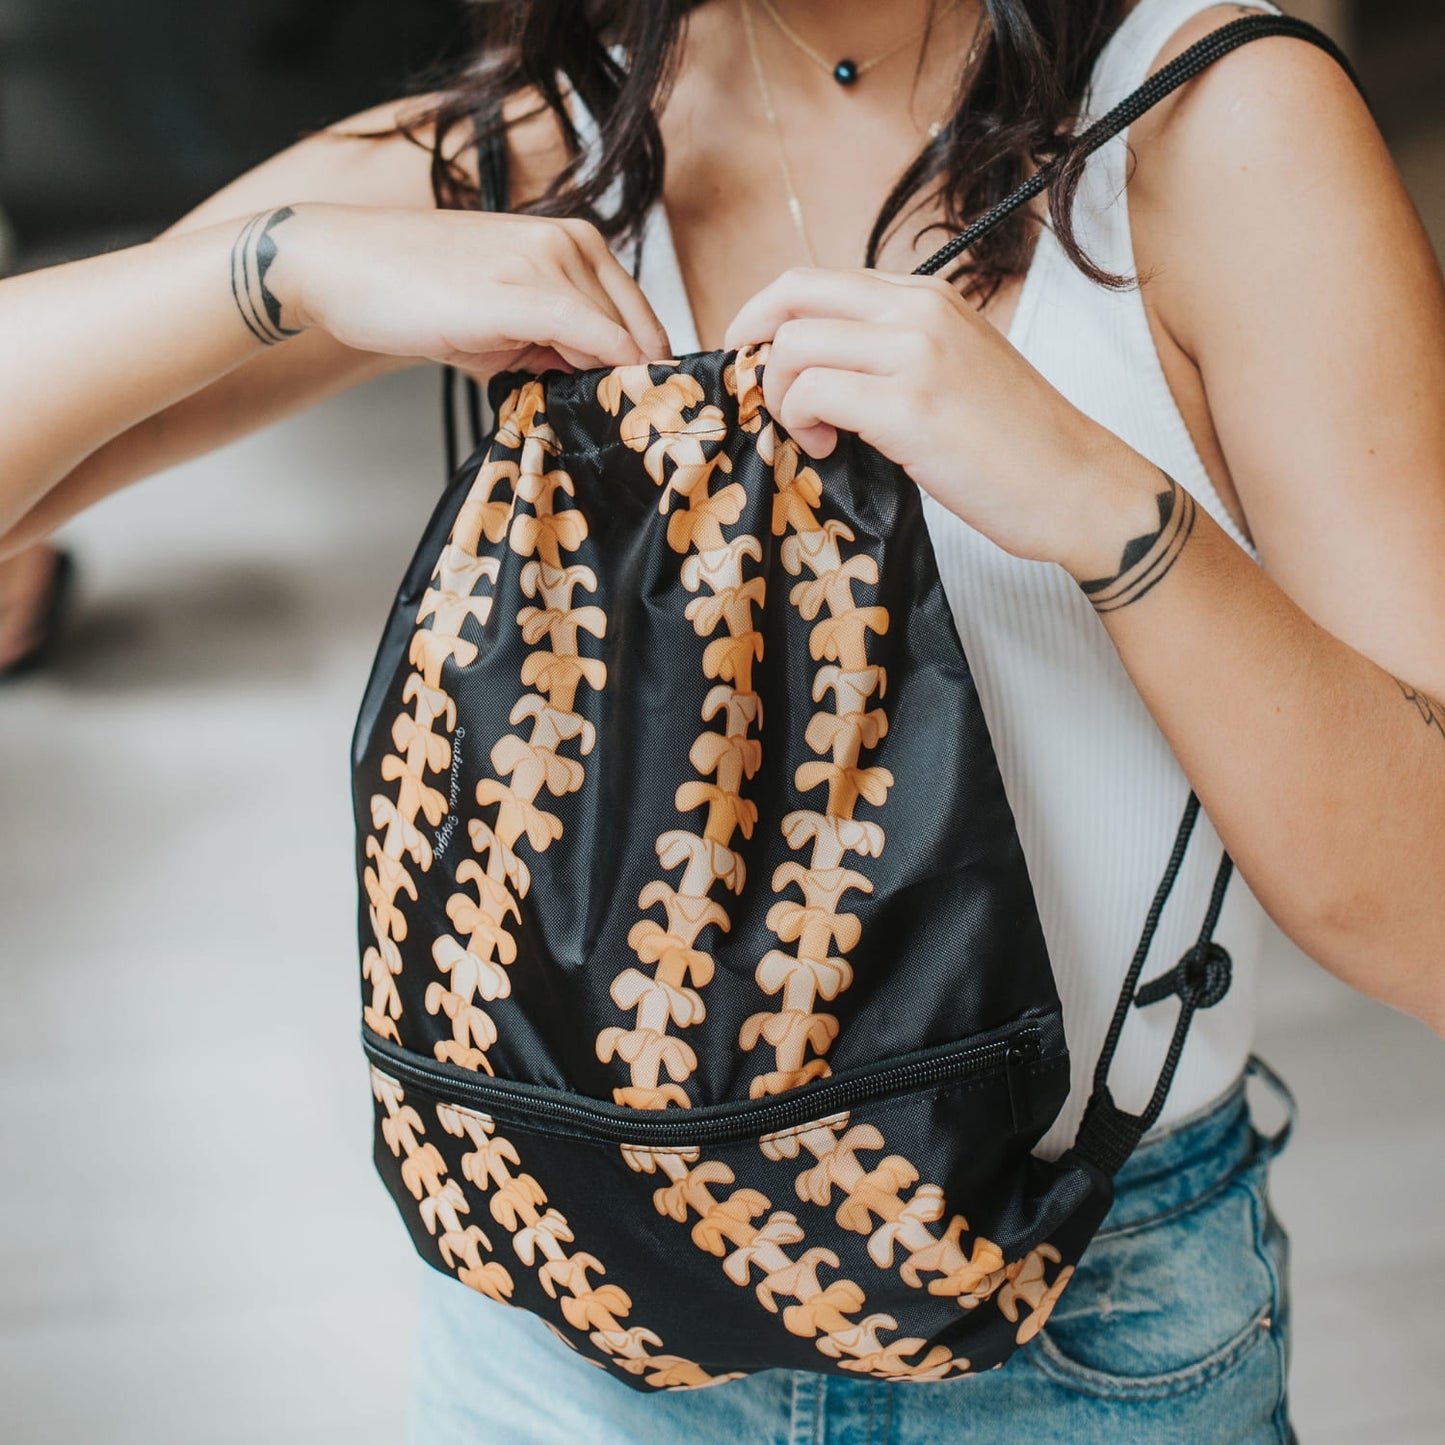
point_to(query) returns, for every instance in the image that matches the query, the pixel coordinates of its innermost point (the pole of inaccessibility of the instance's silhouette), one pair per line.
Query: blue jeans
(1175, 1328)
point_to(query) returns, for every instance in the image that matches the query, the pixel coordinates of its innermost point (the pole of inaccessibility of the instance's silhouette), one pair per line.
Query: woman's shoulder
(1287, 266)
(1277, 98)
(1252, 158)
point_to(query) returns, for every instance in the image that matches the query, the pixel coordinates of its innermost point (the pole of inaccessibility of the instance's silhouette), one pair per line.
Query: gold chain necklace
(850, 72)
(795, 206)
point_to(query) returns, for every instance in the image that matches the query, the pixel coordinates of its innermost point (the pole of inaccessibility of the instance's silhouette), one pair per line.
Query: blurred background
(192, 1245)
(116, 118)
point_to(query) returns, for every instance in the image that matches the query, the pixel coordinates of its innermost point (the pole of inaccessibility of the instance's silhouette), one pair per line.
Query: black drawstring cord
(449, 420)
(1201, 978)
(474, 411)
(1151, 924)
(1108, 1135)
(475, 416)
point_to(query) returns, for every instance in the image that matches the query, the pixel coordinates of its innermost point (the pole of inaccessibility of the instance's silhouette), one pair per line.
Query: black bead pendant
(845, 72)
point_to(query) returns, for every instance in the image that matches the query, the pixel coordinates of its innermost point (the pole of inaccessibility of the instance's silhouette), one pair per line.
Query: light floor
(193, 1248)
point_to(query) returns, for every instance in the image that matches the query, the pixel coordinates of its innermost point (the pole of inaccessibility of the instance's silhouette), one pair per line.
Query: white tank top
(1096, 791)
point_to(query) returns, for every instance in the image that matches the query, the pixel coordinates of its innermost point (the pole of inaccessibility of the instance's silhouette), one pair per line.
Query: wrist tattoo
(1147, 560)
(1432, 713)
(251, 258)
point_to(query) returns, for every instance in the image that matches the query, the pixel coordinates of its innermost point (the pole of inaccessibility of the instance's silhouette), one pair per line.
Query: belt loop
(1256, 1068)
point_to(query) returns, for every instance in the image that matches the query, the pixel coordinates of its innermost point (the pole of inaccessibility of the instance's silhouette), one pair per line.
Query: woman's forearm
(1324, 775)
(92, 348)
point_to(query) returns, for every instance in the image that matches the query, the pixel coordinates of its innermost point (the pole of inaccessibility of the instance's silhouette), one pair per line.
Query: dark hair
(1016, 104)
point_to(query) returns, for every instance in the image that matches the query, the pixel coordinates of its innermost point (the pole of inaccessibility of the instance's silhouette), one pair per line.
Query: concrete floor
(192, 1244)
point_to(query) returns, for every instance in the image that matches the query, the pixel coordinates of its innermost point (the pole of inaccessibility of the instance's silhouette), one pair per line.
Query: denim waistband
(1198, 1155)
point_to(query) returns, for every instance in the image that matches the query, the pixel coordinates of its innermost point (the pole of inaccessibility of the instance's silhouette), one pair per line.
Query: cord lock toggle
(1200, 979)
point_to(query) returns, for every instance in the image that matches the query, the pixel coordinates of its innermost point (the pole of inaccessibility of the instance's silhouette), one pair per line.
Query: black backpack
(707, 1005)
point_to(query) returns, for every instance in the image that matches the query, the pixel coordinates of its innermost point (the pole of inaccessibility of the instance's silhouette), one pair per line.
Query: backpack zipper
(534, 1106)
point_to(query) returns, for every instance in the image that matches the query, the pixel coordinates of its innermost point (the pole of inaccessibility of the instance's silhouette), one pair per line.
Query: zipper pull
(1021, 1053)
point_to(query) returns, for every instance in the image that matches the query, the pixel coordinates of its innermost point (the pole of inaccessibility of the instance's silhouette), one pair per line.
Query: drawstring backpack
(707, 1006)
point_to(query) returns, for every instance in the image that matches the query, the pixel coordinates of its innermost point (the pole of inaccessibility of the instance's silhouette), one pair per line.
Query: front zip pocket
(1012, 1049)
(889, 1218)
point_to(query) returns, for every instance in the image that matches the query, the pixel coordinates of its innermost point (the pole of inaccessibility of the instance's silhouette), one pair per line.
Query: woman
(1273, 381)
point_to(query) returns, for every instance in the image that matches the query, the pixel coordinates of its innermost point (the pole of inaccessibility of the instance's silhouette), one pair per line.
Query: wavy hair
(1015, 106)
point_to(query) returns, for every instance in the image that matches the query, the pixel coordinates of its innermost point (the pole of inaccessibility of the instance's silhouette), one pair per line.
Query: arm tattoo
(1432, 713)
(1147, 560)
(251, 258)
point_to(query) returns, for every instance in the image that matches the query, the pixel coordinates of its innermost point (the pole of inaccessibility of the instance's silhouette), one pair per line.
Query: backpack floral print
(708, 1011)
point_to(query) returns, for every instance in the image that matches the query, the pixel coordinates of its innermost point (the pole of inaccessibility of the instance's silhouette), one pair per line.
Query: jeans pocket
(1173, 1304)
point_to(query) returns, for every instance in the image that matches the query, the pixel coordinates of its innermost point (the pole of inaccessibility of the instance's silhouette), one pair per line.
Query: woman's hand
(482, 291)
(97, 351)
(909, 365)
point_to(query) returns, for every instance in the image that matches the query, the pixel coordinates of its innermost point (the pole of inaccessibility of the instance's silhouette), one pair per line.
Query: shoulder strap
(1182, 69)
(493, 180)
(493, 188)
(1107, 1134)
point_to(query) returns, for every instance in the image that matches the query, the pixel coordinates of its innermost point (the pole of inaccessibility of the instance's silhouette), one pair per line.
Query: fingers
(578, 276)
(482, 367)
(820, 403)
(845, 295)
(634, 310)
(567, 321)
(589, 265)
(546, 358)
(599, 316)
(548, 284)
(840, 345)
(802, 291)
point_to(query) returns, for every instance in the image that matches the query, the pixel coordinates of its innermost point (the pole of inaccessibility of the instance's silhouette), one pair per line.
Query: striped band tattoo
(1147, 560)
(1432, 713)
(251, 258)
